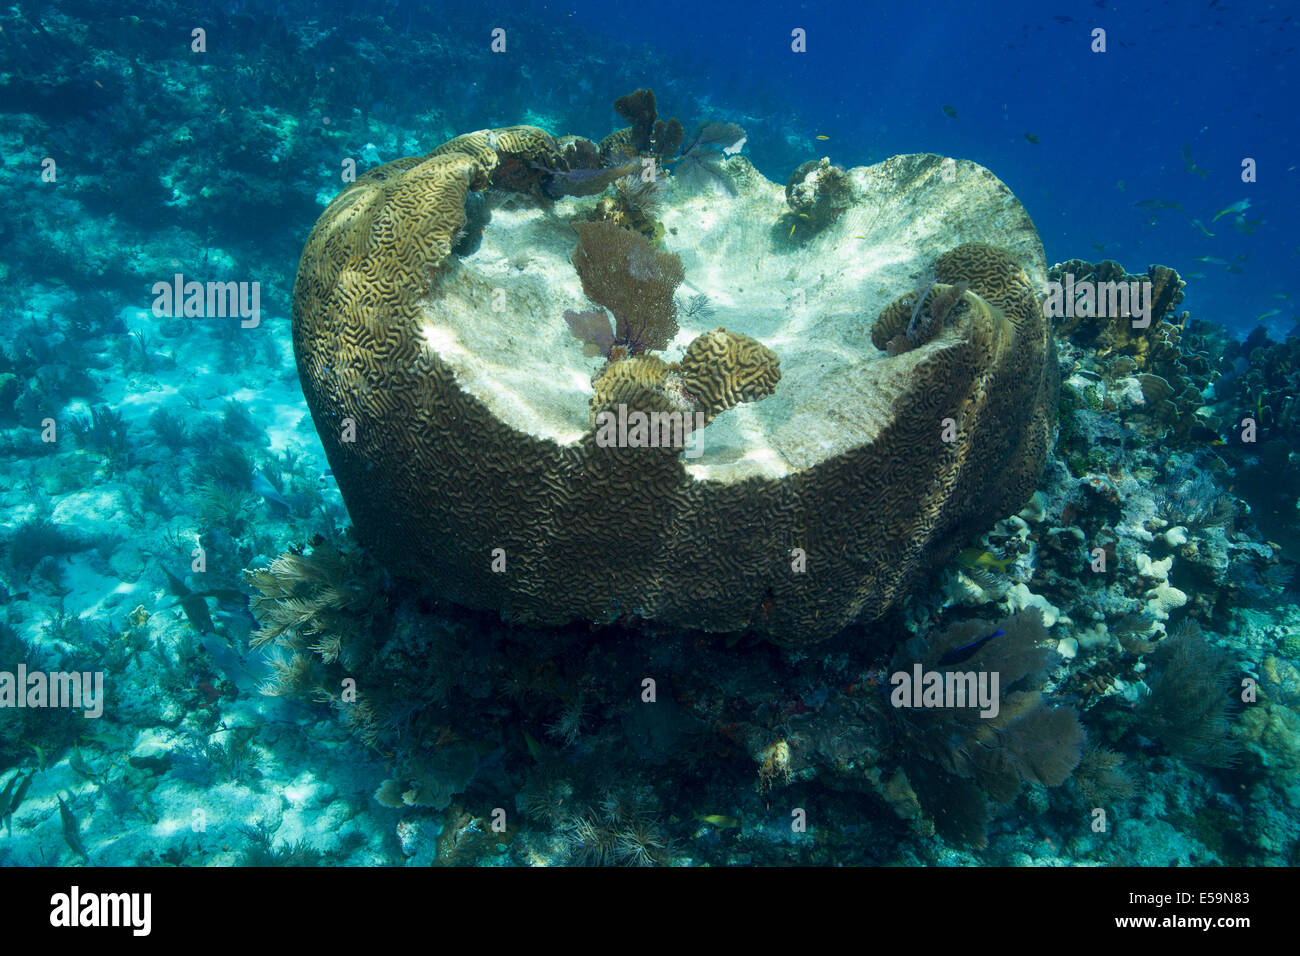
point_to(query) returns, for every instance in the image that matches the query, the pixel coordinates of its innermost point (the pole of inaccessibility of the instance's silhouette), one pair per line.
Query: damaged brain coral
(821, 474)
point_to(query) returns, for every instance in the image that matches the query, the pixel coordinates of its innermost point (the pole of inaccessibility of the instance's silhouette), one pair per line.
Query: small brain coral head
(721, 369)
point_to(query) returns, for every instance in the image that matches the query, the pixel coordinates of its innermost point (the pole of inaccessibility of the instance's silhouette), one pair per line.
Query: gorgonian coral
(959, 758)
(623, 271)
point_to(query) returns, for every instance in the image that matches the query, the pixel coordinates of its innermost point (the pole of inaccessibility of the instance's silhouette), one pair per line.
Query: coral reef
(1167, 367)
(817, 194)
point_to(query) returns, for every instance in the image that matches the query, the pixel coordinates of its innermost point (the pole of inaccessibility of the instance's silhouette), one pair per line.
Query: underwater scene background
(335, 565)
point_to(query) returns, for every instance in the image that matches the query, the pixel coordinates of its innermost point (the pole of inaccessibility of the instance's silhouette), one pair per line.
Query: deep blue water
(1216, 77)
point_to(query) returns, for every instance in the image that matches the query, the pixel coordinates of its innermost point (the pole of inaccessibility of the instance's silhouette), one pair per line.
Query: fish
(106, 739)
(78, 763)
(1189, 166)
(1241, 205)
(262, 485)
(535, 749)
(949, 112)
(40, 756)
(1248, 226)
(72, 831)
(7, 794)
(975, 558)
(822, 136)
(1235, 270)
(248, 674)
(12, 799)
(792, 229)
(1032, 138)
(1201, 227)
(719, 820)
(967, 651)
(1120, 186)
(1269, 314)
(1155, 205)
(584, 182)
(1194, 275)
(1212, 260)
(194, 603)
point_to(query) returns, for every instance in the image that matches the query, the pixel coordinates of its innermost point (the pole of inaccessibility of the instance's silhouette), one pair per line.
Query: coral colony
(573, 493)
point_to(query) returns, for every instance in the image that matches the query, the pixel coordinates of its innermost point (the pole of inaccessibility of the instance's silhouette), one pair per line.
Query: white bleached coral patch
(1019, 597)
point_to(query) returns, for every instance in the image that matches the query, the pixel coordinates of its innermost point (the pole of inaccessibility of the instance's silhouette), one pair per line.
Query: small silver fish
(262, 485)
(72, 831)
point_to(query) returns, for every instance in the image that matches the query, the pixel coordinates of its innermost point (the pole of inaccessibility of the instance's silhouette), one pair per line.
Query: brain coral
(455, 405)
(721, 369)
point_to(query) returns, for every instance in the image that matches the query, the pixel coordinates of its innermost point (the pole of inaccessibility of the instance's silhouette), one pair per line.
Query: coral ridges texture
(436, 483)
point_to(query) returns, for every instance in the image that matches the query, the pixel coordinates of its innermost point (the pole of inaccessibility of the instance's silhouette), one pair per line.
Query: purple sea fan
(593, 328)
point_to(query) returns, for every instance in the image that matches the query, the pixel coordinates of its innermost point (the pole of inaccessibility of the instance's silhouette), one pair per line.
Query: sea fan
(956, 760)
(593, 329)
(622, 271)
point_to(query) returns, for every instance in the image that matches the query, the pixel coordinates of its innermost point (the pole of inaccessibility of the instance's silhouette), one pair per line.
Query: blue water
(1219, 78)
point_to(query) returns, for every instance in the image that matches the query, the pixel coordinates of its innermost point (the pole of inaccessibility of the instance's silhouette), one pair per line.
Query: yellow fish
(719, 820)
(1241, 205)
(975, 558)
(822, 136)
